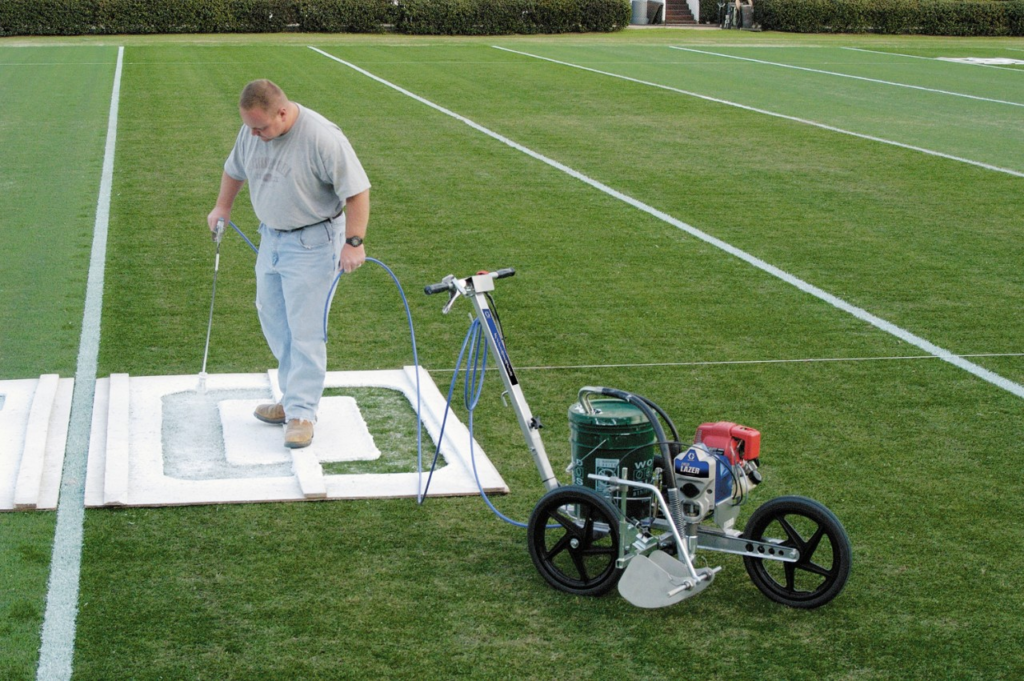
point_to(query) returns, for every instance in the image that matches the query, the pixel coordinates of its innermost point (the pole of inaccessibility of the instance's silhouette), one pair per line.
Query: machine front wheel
(825, 552)
(573, 537)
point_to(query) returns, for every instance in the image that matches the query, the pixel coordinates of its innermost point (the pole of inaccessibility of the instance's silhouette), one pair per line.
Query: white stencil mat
(340, 434)
(160, 441)
(34, 418)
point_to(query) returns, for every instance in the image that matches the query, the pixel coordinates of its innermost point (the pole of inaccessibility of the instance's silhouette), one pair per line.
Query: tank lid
(607, 412)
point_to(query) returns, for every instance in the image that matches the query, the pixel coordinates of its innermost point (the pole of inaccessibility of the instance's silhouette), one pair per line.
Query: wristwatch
(354, 241)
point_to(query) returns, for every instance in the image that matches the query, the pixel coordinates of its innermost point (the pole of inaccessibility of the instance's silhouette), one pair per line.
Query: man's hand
(217, 214)
(352, 258)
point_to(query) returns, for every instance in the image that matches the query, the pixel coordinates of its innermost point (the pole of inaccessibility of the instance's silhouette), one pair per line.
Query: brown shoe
(270, 413)
(298, 433)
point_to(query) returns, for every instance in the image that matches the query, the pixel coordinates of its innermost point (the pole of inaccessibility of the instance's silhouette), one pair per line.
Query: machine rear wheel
(573, 537)
(825, 552)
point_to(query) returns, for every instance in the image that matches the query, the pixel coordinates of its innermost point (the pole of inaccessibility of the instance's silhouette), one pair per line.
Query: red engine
(738, 443)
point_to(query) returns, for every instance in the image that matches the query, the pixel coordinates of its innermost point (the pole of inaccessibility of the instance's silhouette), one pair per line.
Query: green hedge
(446, 17)
(926, 17)
(347, 16)
(494, 17)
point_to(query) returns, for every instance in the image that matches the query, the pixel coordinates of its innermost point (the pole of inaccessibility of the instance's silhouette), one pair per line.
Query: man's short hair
(262, 94)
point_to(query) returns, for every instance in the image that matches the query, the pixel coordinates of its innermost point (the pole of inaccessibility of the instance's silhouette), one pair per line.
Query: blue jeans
(294, 273)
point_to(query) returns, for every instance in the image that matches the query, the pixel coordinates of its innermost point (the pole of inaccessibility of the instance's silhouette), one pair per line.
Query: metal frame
(475, 288)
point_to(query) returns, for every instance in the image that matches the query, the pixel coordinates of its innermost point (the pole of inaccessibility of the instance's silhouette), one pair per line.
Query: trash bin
(747, 13)
(639, 12)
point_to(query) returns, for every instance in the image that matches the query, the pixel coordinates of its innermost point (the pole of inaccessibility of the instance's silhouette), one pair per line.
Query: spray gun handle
(218, 231)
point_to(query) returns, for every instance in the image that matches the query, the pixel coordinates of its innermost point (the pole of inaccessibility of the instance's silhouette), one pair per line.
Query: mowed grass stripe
(929, 73)
(52, 135)
(848, 75)
(955, 131)
(825, 296)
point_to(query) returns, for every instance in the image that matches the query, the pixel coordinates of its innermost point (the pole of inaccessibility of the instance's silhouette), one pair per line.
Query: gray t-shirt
(300, 178)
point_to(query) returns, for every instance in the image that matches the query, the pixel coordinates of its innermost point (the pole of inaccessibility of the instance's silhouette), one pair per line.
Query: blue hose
(476, 367)
(420, 492)
(244, 237)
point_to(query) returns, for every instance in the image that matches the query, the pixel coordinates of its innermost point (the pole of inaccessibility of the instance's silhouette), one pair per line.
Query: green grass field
(917, 457)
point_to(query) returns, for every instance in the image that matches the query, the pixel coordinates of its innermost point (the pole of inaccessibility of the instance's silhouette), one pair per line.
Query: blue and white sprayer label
(690, 464)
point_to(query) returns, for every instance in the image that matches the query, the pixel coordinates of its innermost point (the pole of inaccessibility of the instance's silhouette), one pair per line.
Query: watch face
(354, 241)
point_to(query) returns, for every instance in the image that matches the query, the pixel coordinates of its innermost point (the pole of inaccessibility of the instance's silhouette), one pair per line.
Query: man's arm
(357, 215)
(229, 188)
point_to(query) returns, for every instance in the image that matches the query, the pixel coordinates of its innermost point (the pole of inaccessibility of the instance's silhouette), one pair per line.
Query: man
(302, 175)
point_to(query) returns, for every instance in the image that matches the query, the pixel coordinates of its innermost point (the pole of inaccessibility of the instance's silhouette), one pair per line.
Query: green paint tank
(607, 436)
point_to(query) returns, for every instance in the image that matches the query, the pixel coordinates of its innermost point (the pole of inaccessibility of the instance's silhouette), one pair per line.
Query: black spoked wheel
(573, 537)
(825, 553)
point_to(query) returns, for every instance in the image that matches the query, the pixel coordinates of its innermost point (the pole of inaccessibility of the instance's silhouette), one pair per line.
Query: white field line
(774, 114)
(902, 334)
(57, 648)
(734, 362)
(53, 63)
(932, 59)
(847, 75)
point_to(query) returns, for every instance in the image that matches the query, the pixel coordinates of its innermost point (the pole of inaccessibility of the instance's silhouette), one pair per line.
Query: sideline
(849, 75)
(859, 313)
(57, 648)
(823, 126)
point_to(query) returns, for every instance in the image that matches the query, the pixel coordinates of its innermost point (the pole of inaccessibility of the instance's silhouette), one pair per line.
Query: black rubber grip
(431, 289)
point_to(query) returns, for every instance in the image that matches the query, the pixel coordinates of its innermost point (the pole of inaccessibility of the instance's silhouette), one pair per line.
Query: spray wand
(218, 236)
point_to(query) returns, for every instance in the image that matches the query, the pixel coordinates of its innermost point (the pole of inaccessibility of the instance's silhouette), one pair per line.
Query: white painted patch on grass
(917, 56)
(984, 61)
(859, 313)
(56, 652)
(861, 78)
(187, 447)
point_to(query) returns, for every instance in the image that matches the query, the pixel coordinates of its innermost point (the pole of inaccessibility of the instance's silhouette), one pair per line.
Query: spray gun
(218, 232)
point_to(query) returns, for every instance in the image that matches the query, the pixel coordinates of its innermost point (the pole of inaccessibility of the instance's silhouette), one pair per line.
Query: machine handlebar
(431, 289)
(448, 283)
(506, 272)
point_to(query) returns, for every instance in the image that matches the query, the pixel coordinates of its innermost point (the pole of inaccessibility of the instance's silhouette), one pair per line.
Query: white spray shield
(660, 580)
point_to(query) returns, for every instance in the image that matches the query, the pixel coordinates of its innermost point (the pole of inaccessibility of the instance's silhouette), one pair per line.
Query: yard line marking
(847, 75)
(53, 63)
(804, 286)
(823, 126)
(729, 362)
(57, 648)
(932, 59)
